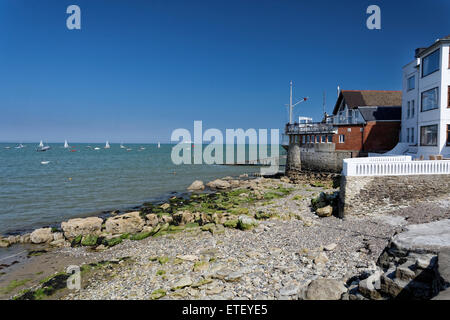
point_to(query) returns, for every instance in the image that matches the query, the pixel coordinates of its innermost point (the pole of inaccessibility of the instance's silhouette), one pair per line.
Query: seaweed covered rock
(246, 222)
(183, 217)
(152, 219)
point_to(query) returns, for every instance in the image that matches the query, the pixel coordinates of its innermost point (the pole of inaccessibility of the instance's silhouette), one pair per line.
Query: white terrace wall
(383, 185)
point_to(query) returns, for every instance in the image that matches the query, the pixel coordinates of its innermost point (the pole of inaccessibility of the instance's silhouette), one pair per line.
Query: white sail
(159, 145)
(107, 146)
(66, 145)
(41, 144)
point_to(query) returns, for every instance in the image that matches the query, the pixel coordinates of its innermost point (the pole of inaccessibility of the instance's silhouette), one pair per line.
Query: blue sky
(139, 69)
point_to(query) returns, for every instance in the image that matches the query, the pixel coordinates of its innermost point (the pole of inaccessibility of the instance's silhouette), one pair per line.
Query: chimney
(419, 51)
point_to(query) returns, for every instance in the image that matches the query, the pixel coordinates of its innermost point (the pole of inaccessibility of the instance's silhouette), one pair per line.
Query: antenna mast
(291, 106)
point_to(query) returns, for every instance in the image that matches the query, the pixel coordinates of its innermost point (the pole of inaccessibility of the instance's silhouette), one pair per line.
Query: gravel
(272, 261)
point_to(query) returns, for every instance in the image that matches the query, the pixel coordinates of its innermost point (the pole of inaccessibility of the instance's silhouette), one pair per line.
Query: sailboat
(107, 146)
(122, 146)
(159, 145)
(20, 146)
(66, 145)
(41, 147)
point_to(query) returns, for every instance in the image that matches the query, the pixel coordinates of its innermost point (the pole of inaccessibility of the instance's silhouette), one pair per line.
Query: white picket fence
(402, 165)
(379, 159)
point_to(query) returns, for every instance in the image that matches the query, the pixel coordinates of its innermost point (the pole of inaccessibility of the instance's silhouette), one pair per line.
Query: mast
(290, 102)
(291, 106)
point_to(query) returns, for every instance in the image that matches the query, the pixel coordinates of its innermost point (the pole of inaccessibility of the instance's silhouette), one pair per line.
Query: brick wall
(353, 138)
(362, 195)
(380, 136)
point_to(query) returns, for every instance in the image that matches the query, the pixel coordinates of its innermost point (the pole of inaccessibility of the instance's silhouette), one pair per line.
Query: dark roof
(392, 113)
(357, 98)
(422, 51)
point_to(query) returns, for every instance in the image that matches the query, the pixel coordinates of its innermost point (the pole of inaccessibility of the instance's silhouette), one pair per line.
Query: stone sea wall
(360, 195)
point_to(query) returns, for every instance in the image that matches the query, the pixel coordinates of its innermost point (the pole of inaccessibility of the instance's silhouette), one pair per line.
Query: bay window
(430, 63)
(430, 99)
(428, 135)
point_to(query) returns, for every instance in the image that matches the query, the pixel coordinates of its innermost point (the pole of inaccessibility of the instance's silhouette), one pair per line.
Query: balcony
(349, 117)
(310, 128)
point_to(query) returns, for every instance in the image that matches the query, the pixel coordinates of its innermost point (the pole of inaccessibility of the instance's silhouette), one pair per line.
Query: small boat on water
(129, 149)
(107, 146)
(45, 162)
(142, 148)
(66, 145)
(122, 146)
(20, 146)
(7, 147)
(96, 148)
(159, 145)
(41, 147)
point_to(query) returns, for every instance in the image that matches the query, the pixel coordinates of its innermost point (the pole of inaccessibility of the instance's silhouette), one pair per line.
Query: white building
(426, 102)
(304, 120)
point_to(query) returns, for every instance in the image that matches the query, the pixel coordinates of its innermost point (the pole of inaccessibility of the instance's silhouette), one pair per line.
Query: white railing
(395, 168)
(379, 159)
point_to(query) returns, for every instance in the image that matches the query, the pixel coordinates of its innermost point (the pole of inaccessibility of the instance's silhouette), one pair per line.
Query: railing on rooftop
(305, 128)
(393, 167)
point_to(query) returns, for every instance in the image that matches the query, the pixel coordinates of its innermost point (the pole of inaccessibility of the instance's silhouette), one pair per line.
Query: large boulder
(126, 223)
(152, 220)
(246, 222)
(432, 237)
(218, 184)
(183, 217)
(197, 185)
(41, 235)
(4, 243)
(325, 289)
(81, 226)
(325, 211)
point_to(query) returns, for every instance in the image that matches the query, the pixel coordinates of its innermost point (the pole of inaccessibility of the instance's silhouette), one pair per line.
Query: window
(428, 135)
(430, 63)
(407, 134)
(307, 139)
(430, 99)
(330, 138)
(412, 108)
(412, 135)
(303, 139)
(411, 83)
(341, 138)
(448, 134)
(324, 139)
(408, 113)
(448, 97)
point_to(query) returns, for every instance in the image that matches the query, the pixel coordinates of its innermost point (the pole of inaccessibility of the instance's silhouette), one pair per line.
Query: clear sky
(139, 69)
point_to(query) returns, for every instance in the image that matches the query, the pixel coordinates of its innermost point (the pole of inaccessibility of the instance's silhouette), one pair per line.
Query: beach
(278, 257)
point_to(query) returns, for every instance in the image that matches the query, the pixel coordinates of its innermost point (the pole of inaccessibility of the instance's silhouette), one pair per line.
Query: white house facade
(425, 125)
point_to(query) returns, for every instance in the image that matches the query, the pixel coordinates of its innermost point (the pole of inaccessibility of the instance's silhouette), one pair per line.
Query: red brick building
(363, 121)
